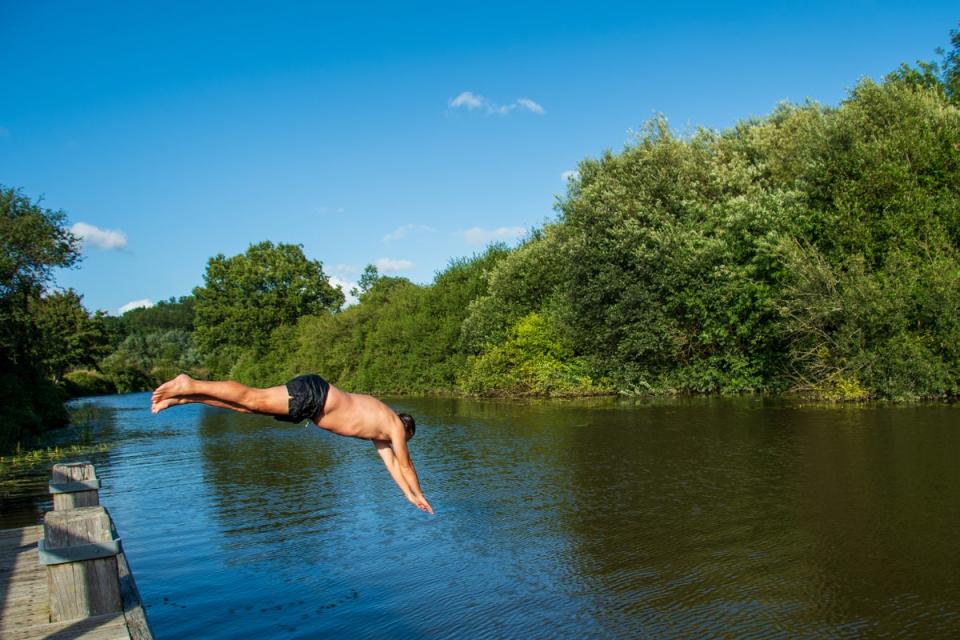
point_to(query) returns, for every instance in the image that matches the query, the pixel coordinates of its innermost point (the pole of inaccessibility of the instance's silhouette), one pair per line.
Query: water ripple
(554, 520)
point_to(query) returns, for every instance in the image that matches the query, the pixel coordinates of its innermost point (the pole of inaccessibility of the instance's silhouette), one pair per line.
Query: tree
(166, 315)
(71, 336)
(144, 360)
(368, 278)
(33, 242)
(951, 68)
(247, 296)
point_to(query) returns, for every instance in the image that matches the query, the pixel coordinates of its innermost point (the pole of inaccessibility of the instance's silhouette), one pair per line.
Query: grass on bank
(28, 466)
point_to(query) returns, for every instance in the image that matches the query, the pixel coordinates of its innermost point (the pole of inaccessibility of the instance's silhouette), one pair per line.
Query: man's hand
(393, 466)
(421, 503)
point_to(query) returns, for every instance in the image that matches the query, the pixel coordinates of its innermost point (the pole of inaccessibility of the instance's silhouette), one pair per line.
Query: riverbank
(24, 471)
(839, 395)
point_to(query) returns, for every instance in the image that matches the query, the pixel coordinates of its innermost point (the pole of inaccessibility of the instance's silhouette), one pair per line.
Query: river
(554, 519)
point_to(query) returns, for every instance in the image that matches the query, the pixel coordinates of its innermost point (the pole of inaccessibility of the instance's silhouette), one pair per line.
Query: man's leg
(227, 394)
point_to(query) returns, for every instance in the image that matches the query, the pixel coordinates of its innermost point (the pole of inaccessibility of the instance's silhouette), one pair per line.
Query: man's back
(358, 416)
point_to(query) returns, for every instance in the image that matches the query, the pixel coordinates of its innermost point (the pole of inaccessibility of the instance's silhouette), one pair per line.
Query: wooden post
(74, 485)
(81, 581)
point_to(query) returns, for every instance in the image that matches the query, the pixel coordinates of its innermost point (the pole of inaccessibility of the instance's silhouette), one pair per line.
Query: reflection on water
(554, 519)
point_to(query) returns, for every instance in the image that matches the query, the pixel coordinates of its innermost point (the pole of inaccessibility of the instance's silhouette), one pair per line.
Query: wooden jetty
(69, 577)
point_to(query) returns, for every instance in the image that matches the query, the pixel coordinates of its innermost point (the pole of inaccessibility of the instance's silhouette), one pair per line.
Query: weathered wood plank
(10, 533)
(137, 624)
(24, 590)
(86, 587)
(104, 627)
(24, 576)
(22, 596)
(74, 472)
(15, 575)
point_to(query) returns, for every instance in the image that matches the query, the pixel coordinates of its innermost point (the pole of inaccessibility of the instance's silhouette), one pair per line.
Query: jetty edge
(69, 577)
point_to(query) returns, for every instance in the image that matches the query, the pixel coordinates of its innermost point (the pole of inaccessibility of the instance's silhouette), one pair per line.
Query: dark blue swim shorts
(308, 395)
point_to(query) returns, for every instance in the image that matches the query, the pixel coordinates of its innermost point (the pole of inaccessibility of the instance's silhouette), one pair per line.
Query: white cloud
(402, 232)
(468, 100)
(530, 105)
(345, 275)
(388, 265)
(570, 175)
(478, 235)
(471, 101)
(346, 286)
(102, 238)
(146, 303)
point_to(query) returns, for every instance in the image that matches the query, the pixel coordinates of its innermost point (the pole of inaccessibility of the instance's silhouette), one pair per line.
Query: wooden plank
(87, 587)
(18, 531)
(137, 624)
(74, 472)
(14, 538)
(20, 573)
(104, 627)
(17, 573)
(37, 596)
(24, 590)
(10, 533)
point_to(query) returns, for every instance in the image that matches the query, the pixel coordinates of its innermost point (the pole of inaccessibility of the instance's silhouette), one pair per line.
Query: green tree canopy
(368, 279)
(33, 242)
(247, 296)
(166, 315)
(71, 336)
(951, 68)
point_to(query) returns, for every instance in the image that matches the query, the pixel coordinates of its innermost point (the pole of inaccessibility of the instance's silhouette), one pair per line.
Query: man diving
(312, 398)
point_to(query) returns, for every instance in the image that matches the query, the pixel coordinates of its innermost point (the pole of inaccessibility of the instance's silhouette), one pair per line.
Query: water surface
(554, 519)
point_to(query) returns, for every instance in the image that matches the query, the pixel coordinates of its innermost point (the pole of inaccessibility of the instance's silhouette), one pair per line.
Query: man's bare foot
(166, 394)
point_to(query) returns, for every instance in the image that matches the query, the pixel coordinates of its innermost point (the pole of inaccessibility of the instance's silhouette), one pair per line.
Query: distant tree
(951, 68)
(368, 278)
(247, 296)
(144, 360)
(116, 330)
(166, 315)
(401, 337)
(519, 283)
(33, 242)
(71, 337)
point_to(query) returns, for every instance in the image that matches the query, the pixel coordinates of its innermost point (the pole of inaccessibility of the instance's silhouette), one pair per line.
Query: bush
(29, 404)
(534, 360)
(87, 383)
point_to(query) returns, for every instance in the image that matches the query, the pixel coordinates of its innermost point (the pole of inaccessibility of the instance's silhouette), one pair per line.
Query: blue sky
(399, 134)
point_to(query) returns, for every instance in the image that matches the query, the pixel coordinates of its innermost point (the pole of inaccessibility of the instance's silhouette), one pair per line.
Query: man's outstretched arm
(401, 476)
(398, 442)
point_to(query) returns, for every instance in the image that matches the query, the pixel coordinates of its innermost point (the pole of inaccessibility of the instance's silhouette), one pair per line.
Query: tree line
(813, 251)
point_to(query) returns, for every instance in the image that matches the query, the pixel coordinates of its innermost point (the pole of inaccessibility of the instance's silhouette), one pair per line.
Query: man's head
(408, 424)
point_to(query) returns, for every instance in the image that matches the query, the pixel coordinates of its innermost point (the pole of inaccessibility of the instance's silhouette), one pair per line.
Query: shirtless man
(312, 398)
